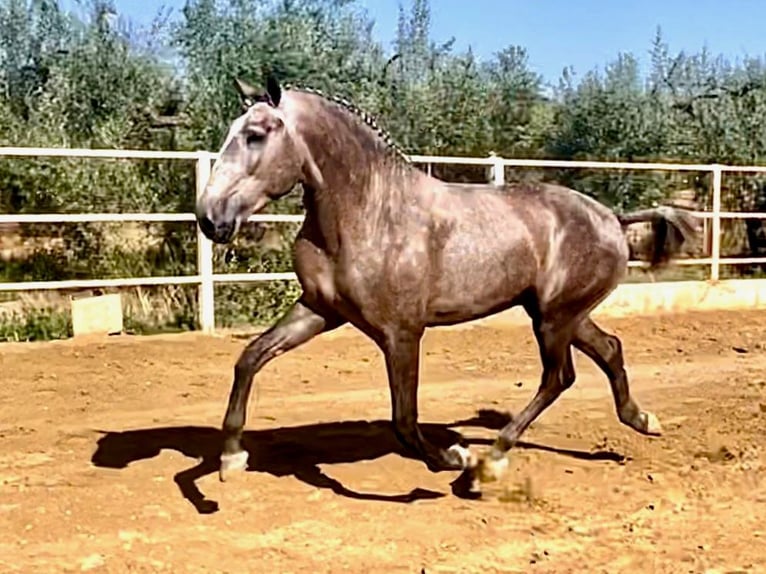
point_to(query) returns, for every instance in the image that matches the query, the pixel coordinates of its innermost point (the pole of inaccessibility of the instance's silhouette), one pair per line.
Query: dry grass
(151, 308)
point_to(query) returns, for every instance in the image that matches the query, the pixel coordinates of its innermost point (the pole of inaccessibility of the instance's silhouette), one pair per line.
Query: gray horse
(392, 251)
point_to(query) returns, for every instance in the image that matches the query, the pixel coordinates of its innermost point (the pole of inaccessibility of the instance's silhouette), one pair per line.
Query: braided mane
(350, 106)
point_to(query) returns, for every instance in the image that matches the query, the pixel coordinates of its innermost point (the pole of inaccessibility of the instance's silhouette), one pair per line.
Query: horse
(392, 251)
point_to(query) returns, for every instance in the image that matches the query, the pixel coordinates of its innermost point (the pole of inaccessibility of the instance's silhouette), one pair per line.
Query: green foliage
(95, 80)
(35, 324)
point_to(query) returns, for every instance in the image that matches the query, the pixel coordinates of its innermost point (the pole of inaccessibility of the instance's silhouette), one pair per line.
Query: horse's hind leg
(606, 351)
(298, 325)
(558, 375)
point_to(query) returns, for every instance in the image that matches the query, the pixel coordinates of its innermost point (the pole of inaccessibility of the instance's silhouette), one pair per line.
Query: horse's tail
(671, 227)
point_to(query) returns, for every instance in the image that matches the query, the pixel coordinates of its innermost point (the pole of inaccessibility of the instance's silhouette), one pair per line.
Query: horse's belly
(470, 287)
(451, 310)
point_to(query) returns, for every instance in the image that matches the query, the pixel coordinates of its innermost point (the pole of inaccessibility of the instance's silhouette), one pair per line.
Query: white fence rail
(206, 278)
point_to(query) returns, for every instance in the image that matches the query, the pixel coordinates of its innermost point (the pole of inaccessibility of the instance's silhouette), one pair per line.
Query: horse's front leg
(402, 353)
(297, 326)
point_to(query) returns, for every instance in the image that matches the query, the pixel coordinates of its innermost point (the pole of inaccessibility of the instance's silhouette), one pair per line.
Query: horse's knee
(253, 360)
(248, 360)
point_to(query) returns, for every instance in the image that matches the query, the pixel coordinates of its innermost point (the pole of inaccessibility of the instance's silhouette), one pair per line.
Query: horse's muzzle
(218, 232)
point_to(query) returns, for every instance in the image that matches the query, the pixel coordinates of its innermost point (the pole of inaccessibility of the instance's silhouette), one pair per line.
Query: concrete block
(101, 314)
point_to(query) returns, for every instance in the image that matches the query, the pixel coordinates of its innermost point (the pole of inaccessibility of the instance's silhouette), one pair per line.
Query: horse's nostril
(207, 226)
(218, 232)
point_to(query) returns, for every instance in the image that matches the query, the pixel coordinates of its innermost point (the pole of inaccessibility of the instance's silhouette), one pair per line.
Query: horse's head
(262, 158)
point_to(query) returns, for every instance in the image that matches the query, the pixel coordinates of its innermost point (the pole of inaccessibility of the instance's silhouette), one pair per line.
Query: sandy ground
(100, 443)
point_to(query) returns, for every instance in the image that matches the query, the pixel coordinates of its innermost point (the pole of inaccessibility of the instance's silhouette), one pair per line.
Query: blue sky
(558, 33)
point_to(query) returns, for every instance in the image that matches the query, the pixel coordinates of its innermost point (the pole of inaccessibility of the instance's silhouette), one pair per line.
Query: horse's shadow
(299, 451)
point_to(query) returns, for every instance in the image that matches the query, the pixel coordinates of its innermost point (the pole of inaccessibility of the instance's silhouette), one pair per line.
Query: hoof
(467, 486)
(467, 459)
(232, 463)
(491, 469)
(650, 424)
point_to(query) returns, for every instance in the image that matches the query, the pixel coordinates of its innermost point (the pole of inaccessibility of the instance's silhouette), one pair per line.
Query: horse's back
(548, 238)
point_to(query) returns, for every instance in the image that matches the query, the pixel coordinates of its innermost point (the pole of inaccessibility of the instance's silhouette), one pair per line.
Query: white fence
(206, 278)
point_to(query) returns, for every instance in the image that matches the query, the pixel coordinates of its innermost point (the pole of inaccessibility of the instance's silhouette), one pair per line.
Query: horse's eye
(254, 138)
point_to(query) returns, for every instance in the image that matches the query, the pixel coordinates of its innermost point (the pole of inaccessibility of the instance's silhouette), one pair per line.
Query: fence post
(206, 299)
(498, 169)
(715, 247)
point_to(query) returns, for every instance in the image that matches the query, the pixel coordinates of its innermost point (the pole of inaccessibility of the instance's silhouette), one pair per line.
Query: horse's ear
(273, 89)
(247, 93)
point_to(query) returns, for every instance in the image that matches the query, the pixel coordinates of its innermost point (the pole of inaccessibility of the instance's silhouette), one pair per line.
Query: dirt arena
(100, 443)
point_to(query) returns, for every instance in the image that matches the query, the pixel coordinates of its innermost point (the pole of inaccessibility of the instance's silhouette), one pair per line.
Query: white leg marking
(493, 470)
(651, 423)
(467, 458)
(232, 463)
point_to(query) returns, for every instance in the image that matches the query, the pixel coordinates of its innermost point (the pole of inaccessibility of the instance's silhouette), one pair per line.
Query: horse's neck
(355, 201)
(359, 180)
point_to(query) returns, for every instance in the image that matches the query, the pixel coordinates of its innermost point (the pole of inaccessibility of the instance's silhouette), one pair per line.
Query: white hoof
(651, 423)
(231, 463)
(467, 458)
(492, 469)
